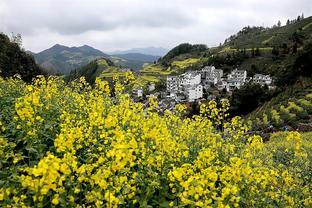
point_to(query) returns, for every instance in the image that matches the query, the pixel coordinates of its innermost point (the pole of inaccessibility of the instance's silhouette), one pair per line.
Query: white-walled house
(206, 71)
(190, 78)
(137, 92)
(211, 75)
(235, 83)
(236, 79)
(221, 85)
(173, 84)
(262, 79)
(238, 74)
(191, 84)
(140, 92)
(193, 92)
(218, 73)
(187, 84)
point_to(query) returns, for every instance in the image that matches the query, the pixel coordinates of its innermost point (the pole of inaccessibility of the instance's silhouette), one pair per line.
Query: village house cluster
(190, 86)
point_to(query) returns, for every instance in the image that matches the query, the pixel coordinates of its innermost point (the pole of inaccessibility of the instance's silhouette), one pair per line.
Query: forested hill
(96, 68)
(61, 59)
(14, 60)
(295, 31)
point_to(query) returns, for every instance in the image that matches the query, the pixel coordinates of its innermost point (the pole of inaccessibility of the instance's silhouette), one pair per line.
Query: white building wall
(190, 79)
(140, 92)
(262, 79)
(194, 93)
(172, 84)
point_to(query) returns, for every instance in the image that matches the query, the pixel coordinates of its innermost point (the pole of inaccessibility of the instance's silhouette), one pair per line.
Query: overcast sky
(122, 24)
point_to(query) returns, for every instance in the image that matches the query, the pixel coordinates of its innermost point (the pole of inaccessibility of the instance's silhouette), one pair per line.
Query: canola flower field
(73, 145)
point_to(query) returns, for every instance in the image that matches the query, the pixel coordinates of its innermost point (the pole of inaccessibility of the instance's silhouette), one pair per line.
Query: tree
(248, 98)
(303, 63)
(285, 48)
(253, 70)
(257, 52)
(298, 18)
(252, 52)
(17, 39)
(275, 52)
(279, 23)
(182, 49)
(288, 22)
(295, 48)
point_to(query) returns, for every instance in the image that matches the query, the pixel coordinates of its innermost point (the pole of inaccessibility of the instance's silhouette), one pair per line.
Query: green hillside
(178, 60)
(135, 61)
(283, 52)
(252, 37)
(101, 67)
(61, 59)
(255, 49)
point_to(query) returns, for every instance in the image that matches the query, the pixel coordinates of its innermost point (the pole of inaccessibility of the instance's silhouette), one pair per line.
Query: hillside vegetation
(103, 67)
(253, 37)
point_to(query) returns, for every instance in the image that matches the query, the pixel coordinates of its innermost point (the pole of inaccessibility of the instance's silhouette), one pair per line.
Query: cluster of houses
(190, 86)
(193, 85)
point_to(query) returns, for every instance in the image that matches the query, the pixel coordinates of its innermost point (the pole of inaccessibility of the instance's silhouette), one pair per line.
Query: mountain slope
(138, 57)
(134, 61)
(61, 59)
(154, 51)
(102, 67)
(252, 37)
(255, 49)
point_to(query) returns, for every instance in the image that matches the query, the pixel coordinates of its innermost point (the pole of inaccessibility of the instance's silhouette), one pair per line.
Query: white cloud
(122, 24)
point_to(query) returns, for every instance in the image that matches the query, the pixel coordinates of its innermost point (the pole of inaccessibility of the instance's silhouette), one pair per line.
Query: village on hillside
(198, 85)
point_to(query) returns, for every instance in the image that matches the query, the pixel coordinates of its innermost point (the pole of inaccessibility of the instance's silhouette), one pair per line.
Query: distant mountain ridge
(60, 59)
(138, 57)
(154, 51)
